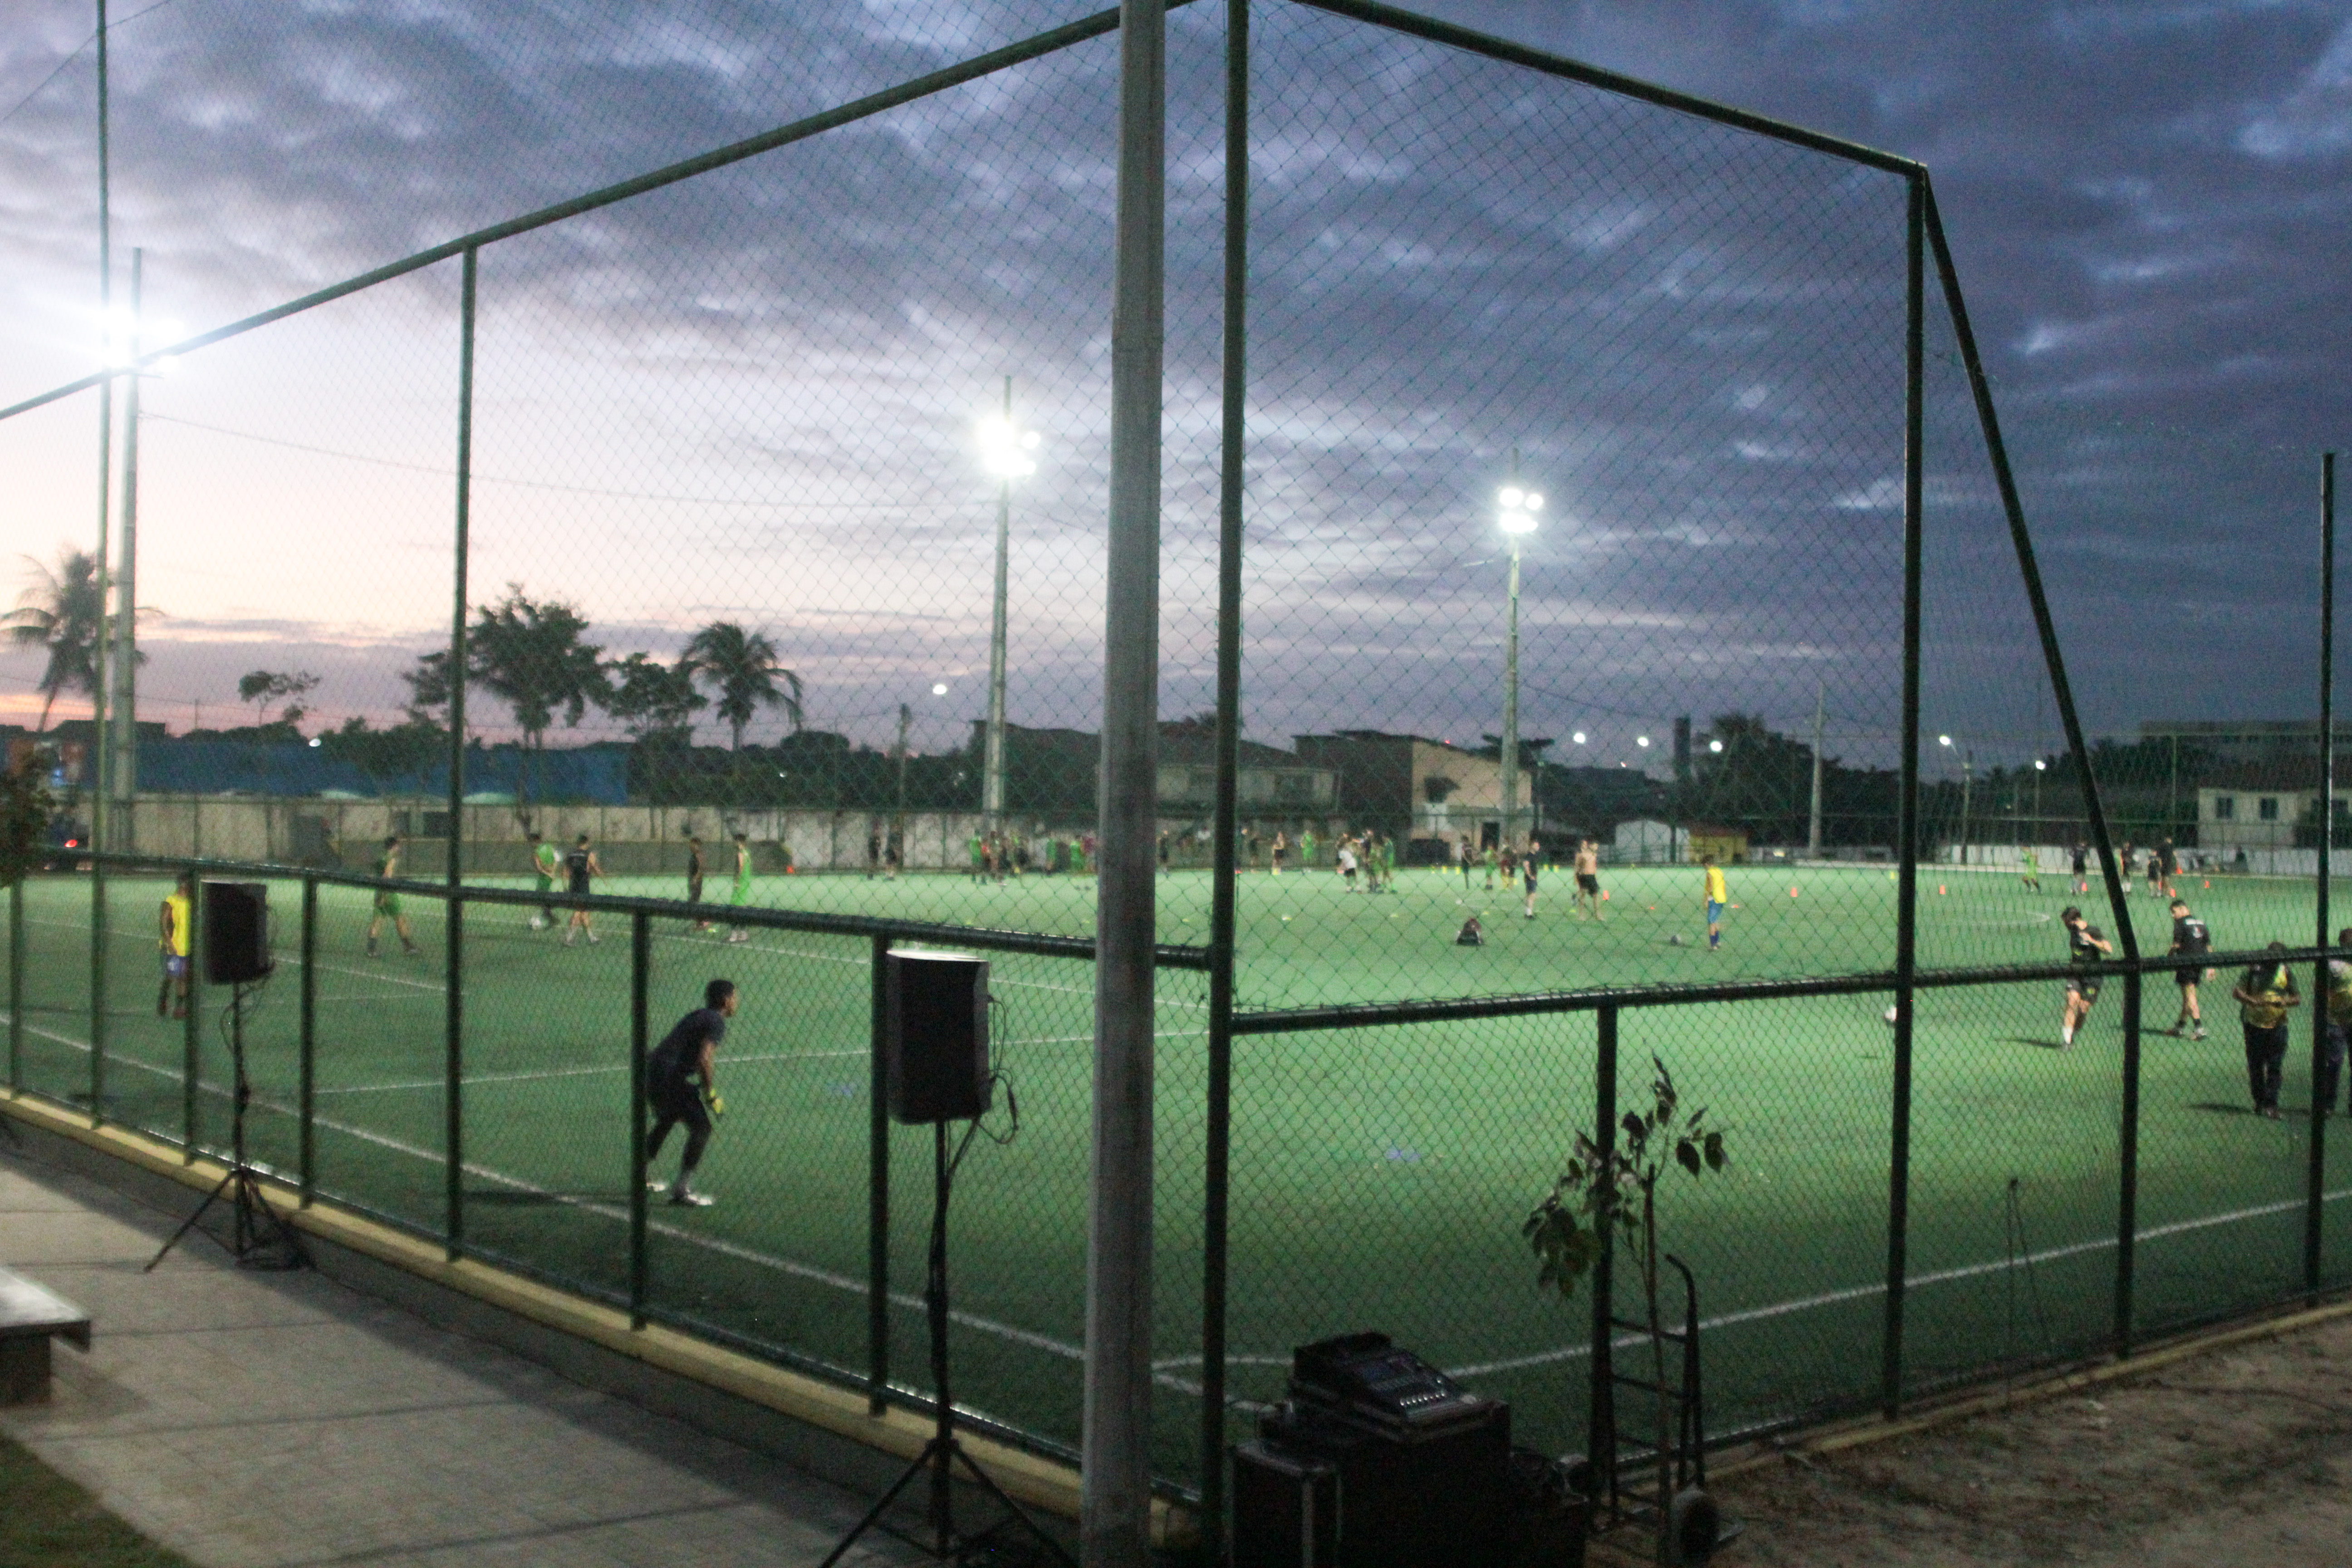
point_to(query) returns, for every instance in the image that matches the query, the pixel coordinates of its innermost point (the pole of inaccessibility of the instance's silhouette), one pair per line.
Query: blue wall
(593, 776)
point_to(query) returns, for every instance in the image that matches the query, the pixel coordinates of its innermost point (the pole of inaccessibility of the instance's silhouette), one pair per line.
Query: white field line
(904, 1299)
(539, 1074)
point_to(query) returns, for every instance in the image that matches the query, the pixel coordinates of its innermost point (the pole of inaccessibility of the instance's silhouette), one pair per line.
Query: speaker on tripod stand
(235, 932)
(935, 1046)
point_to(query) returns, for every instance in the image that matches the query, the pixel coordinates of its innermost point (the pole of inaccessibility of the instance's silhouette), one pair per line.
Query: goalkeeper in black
(680, 1086)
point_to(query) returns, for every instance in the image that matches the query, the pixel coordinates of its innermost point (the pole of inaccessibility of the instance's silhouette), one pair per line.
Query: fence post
(878, 1188)
(16, 986)
(2314, 1215)
(97, 984)
(641, 949)
(1600, 1438)
(1217, 1140)
(2061, 691)
(192, 1035)
(453, 1084)
(1907, 904)
(307, 1043)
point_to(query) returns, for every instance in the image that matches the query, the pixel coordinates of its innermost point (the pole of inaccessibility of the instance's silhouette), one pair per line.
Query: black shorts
(694, 890)
(677, 1099)
(1528, 875)
(2086, 987)
(1586, 882)
(2185, 978)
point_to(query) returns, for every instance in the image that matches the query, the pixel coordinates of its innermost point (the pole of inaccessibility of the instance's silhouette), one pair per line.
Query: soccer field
(1379, 1174)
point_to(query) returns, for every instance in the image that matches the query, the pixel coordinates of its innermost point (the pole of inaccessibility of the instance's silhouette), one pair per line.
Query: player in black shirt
(694, 876)
(680, 1086)
(2082, 867)
(2190, 938)
(2084, 948)
(579, 869)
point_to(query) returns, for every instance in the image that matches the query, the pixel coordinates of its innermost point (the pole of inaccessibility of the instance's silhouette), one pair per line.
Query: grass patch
(49, 1522)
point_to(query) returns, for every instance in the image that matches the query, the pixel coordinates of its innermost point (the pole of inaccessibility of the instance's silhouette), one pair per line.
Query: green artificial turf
(1379, 1174)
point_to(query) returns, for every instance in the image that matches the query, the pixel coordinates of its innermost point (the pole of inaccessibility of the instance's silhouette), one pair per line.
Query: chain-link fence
(1598, 626)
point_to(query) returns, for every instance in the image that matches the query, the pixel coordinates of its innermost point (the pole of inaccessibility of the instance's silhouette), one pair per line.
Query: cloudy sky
(751, 396)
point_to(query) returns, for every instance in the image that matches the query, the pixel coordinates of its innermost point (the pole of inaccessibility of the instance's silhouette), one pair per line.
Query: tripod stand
(940, 1455)
(260, 1238)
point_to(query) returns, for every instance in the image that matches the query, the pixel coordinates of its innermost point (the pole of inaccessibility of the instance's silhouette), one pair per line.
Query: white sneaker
(591, 939)
(680, 1197)
(538, 923)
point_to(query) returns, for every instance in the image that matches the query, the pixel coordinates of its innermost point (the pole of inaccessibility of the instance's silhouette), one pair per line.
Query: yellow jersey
(1718, 891)
(176, 944)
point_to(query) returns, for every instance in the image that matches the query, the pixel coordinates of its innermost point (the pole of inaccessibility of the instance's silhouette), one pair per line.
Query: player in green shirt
(2032, 873)
(742, 891)
(544, 863)
(387, 902)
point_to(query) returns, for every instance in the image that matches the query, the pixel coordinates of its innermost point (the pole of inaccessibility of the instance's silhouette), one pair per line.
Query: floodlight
(1005, 448)
(940, 689)
(1943, 740)
(1641, 740)
(1577, 737)
(1715, 745)
(2038, 766)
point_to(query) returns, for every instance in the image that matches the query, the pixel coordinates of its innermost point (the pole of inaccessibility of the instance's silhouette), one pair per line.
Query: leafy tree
(745, 668)
(402, 752)
(24, 820)
(1607, 1193)
(262, 687)
(59, 612)
(428, 687)
(532, 656)
(652, 699)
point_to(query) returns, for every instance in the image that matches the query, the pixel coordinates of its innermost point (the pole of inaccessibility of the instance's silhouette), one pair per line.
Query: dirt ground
(2237, 1456)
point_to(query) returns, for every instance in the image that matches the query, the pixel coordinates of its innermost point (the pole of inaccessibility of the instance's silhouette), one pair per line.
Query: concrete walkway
(255, 1420)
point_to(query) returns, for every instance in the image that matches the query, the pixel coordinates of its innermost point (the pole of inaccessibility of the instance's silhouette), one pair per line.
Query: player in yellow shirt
(1719, 898)
(174, 926)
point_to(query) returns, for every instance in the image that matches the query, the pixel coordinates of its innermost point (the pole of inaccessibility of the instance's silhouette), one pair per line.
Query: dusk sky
(752, 396)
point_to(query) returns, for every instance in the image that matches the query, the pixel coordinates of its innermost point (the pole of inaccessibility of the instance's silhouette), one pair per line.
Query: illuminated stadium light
(1005, 448)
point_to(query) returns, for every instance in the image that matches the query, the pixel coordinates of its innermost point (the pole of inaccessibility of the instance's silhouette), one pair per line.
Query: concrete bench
(31, 1316)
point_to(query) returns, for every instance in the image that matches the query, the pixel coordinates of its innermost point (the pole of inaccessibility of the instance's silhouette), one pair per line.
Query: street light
(1967, 768)
(1519, 518)
(1005, 451)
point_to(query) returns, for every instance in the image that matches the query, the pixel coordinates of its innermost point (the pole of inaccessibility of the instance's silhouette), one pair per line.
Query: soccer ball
(1675, 940)
(1891, 1016)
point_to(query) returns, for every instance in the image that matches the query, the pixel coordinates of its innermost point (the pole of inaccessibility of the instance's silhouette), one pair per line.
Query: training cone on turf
(1940, 889)
(1792, 892)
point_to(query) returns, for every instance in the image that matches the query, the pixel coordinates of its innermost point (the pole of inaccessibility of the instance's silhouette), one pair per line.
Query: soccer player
(2339, 1019)
(545, 863)
(1348, 863)
(2124, 867)
(680, 1080)
(2032, 877)
(174, 920)
(1163, 855)
(694, 876)
(1588, 876)
(387, 902)
(742, 894)
(1305, 847)
(2084, 947)
(2167, 868)
(1281, 848)
(2264, 996)
(580, 871)
(1466, 857)
(2081, 865)
(1719, 898)
(979, 861)
(1507, 860)
(2189, 937)
(1534, 860)
(872, 852)
(2155, 883)
(1494, 858)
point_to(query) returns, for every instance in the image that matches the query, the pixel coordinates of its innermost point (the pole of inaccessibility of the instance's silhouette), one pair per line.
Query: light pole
(1967, 770)
(2038, 766)
(1005, 451)
(1519, 518)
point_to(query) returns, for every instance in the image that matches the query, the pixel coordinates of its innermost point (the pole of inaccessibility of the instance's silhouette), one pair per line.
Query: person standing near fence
(694, 876)
(2339, 1021)
(2190, 938)
(1534, 860)
(580, 871)
(387, 900)
(682, 1085)
(175, 920)
(545, 863)
(2264, 997)
(1588, 876)
(742, 894)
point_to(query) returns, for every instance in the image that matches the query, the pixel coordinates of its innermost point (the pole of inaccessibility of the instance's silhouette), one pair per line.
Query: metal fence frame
(1924, 239)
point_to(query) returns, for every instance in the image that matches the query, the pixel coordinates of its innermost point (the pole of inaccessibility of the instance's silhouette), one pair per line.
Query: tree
(1606, 1193)
(744, 667)
(59, 612)
(401, 752)
(652, 699)
(531, 656)
(428, 687)
(262, 687)
(24, 820)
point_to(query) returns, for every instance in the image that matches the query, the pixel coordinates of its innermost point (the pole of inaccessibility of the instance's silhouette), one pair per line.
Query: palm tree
(59, 612)
(743, 666)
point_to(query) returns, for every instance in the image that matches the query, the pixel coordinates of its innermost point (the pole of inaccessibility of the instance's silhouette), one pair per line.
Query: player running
(2082, 867)
(387, 902)
(2264, 996)
(2032, 877)
(2167, 867)
(2189, 939)
(1534, 862)
(175, 922)
(1719, 898)
(2085, 947)
(742, 892)
(681, 1084)
(544, 863)
(580, 872)
(1588, 876)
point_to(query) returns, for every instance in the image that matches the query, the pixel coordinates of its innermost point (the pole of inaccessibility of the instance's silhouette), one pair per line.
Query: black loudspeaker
(935, 1035)
(1286, 1509)
(235, 929)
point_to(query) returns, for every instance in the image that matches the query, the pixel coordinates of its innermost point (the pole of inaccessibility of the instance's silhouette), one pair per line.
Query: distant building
(1644, 842)
(2246, 740)
(1051, 773)
(2254, 805)
(1414, 788)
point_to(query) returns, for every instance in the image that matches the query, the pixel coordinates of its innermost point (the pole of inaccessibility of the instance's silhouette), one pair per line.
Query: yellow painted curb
(1037, 1482)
